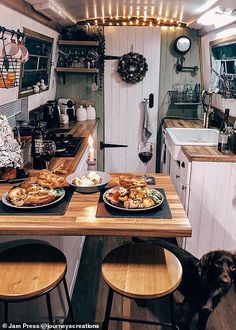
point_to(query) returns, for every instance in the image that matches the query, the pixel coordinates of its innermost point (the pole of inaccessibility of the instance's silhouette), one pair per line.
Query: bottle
(37, 138)
(231, 138)
(223, 136)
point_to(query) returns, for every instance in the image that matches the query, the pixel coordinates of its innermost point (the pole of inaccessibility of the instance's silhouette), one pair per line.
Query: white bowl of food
(88, 181)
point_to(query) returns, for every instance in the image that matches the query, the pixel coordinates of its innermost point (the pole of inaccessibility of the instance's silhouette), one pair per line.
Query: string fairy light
(134, 20)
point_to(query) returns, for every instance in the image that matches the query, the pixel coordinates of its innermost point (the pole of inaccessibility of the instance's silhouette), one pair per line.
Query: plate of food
(133, 195)
(47, 190)
(88, 181)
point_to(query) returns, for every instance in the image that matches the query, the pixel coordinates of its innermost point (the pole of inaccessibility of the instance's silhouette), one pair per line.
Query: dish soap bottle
(223, 136)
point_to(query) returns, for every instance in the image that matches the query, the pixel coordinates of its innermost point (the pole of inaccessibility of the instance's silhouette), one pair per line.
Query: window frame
(41, 37)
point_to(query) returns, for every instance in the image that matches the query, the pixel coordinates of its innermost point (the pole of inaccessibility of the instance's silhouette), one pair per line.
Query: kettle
(67, 106)
(51, 114)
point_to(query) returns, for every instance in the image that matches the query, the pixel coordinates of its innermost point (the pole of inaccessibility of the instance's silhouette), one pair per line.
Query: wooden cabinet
(207, 192)
(212, 207)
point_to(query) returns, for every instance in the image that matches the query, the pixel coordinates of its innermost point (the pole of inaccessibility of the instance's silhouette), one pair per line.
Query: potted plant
(10, 151)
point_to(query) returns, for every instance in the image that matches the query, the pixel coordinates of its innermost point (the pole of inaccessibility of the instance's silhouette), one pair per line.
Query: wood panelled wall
(123, 102)
(169, 77)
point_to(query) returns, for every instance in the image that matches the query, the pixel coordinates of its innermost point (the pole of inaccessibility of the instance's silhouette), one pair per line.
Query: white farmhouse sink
(177, 137)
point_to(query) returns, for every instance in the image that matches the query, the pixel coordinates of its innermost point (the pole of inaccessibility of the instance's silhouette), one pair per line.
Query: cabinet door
(175, 174)
(185, 173)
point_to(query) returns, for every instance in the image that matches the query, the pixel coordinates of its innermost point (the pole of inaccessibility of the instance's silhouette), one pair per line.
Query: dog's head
(218, 269)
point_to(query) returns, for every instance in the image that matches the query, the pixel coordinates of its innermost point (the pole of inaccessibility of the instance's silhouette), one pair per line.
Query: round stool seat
(142, 271)
(30, 270)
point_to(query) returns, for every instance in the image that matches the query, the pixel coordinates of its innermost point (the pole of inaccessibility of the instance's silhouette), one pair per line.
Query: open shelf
(78, 43)
(77, 70)
(187, 103)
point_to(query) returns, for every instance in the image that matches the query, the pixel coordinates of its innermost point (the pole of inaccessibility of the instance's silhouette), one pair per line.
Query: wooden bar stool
(141, 271)
(29, 271)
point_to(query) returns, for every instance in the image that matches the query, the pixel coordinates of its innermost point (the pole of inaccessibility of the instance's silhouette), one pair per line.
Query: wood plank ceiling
(182, 10)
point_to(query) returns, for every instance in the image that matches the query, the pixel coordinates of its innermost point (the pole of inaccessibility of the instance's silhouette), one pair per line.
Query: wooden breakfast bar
(80, 218)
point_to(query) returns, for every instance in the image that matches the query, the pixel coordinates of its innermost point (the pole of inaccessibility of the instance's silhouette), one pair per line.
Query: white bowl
(105, 178)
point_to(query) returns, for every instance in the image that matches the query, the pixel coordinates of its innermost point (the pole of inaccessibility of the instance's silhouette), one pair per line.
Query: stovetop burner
(67, 145)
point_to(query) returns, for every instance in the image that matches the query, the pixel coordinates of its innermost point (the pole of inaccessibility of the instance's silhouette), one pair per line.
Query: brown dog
(204, 282)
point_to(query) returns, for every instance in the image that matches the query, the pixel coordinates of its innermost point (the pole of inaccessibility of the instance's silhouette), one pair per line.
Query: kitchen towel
(146, 126)
(105, 211)
(51, 210)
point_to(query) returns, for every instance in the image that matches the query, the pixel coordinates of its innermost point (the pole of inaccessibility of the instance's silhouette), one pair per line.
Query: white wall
(218, 101)
(14, 20)
(123, 102)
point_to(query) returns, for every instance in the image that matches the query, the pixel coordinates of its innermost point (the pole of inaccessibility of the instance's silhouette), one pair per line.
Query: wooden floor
(90, 295)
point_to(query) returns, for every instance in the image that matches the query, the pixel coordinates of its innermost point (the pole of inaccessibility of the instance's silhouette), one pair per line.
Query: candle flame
(90, 141)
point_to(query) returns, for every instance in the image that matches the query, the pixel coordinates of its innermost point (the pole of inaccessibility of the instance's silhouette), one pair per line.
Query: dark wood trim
(78, 43)
(77, 70)
(30, 33)
(30, 92)
(26, 9)
(223, 41)
(34, 34)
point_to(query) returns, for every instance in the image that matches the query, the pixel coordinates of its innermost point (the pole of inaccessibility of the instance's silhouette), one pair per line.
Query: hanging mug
(12, 49)
(24, 51)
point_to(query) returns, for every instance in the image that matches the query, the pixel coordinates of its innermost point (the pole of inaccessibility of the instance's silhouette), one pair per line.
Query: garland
(132, 67)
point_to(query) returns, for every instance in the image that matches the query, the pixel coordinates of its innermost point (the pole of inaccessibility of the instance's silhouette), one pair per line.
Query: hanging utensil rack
(9, 67)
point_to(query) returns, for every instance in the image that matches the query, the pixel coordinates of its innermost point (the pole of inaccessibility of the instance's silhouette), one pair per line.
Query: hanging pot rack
(9, 67)
(17, 32)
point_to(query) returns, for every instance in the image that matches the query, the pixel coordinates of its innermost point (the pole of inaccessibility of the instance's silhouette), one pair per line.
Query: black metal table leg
(172, 311)
(68, 301)
(49, 308)
(105, 324)
(6, 312)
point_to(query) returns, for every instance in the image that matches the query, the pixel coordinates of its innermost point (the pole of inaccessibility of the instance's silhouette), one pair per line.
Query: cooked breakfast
(133, 193)
(50, 180)
(91, 179)
(31, 194)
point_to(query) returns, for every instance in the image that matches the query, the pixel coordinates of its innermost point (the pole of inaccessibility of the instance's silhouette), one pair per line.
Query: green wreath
(132, 68)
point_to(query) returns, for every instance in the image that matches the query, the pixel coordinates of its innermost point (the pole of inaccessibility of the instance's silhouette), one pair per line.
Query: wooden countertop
(83, 128)
(199, 153)
(80, 219)
(182, 123)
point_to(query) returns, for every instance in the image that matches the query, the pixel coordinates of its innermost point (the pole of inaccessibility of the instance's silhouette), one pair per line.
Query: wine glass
(145, 154)
(47, 151)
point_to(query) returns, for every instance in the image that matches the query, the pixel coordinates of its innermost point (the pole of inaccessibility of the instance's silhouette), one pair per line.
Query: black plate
(21, 176)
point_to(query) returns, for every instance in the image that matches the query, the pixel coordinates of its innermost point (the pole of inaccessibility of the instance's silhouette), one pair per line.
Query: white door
(123, 102)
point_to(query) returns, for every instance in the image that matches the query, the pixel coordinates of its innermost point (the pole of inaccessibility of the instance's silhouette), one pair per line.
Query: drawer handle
(177, 176)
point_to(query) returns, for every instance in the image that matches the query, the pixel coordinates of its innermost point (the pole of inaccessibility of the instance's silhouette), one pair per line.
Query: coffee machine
(51, 114)
(67, 106)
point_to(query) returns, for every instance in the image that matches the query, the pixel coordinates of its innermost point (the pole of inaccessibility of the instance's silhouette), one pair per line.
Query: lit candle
(91, 149)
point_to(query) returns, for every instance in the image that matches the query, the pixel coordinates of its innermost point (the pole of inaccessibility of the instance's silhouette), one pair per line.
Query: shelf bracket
(181, 68)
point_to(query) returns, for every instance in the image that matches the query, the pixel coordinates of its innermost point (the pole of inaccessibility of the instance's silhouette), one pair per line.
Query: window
(39, 64)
